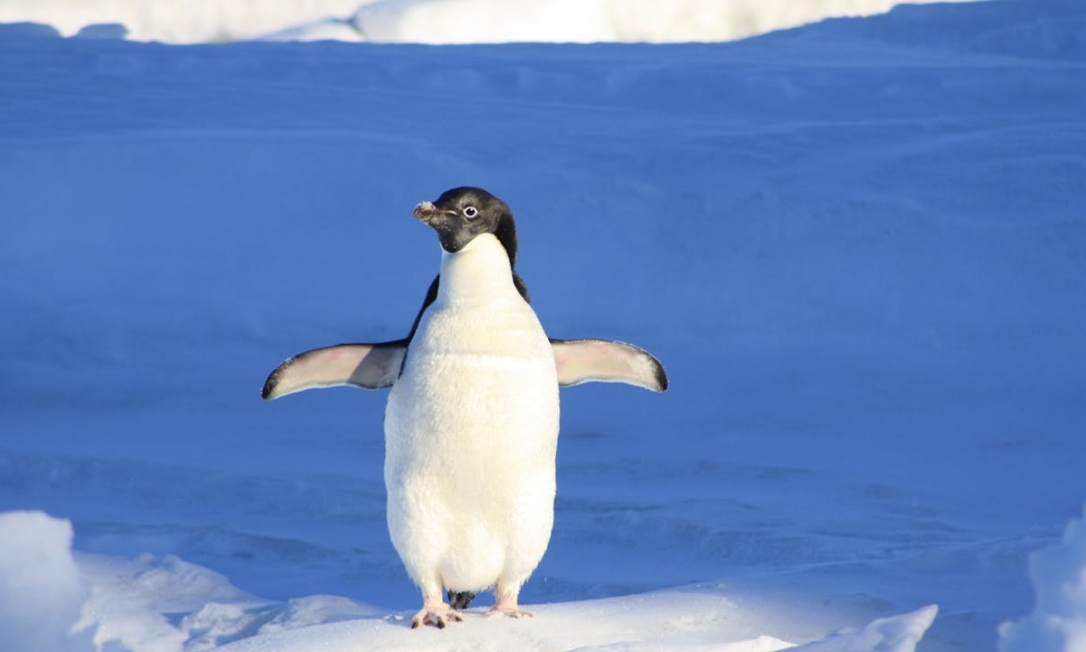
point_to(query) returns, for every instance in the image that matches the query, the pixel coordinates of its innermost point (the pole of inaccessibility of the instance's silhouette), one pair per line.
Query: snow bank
(1058, 622)
(895, 634)
(198, 21)
(41, 594)
(165, 604)
(684, 620)
(161, 603)
(438, 21)
(586, 21)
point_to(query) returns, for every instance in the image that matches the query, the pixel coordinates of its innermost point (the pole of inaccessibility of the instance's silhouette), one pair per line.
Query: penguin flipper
(369, 366)
(585, 361)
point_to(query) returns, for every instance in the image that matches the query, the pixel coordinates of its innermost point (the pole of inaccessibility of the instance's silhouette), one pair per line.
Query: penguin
(471, 423)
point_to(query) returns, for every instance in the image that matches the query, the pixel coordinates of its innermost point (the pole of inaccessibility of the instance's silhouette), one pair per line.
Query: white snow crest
(41, 592)
(1058, 621)
(175, 22)
(893, 634)
(434, 21)
(586, 21)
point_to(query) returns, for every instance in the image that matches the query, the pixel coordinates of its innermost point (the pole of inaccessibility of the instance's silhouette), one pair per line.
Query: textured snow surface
(41, 591)
(1058, 621)
(431, 21)
(858, 247)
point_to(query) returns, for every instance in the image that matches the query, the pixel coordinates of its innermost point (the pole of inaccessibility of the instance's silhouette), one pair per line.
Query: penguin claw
(438, 616)
(515, 612)
(518, 613)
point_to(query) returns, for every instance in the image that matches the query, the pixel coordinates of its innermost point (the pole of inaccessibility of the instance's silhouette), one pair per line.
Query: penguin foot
(509, 607)
(435, 613)
(512, 613)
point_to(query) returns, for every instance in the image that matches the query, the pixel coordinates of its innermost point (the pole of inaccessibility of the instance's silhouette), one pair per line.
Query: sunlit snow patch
(166, 604)
(587, 21)
(894, 634)
(682, 620)
(41, 592)
(439, 21)
(1058, 621)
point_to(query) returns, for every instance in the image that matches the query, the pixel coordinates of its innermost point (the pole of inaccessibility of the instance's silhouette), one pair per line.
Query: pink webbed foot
(508, 606)
(512, 613)
(435, 613)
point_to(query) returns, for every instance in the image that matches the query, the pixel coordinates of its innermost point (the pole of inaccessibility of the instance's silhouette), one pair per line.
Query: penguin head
(461, 214)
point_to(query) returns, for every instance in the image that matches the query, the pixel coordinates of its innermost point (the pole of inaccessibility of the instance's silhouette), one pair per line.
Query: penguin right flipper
(369, 366)
(585, 361)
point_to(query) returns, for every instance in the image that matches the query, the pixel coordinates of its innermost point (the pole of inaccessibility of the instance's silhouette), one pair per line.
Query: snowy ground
(859, 247)
(432, 21)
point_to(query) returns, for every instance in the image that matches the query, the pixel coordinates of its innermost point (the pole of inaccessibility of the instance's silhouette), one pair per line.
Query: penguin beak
(426, 211)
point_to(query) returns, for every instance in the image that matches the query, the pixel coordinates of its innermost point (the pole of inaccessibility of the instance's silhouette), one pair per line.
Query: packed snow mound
(41, 592)
(165, 604)
(435, 21)
(678, 620)
(198, 21)
(894, 634)
(586, 21)
(162, 604)
(1058, 622)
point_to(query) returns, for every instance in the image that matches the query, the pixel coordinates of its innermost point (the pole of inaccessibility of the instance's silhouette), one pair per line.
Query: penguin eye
(470, 212)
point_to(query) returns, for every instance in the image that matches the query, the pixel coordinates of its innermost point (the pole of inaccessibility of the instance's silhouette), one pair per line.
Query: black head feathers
(461, 214)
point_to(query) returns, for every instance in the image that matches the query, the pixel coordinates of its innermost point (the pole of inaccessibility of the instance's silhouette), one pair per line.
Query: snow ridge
(433, 21)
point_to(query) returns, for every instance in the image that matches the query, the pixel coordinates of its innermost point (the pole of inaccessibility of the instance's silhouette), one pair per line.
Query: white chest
(479, 374)
(479, 318)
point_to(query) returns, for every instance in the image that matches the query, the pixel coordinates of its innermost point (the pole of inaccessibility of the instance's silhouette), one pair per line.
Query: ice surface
(857, 246)
(436, 21)
(1058, 621)
(895, 634)
(588, 21)
(41, 591)
(189, 22)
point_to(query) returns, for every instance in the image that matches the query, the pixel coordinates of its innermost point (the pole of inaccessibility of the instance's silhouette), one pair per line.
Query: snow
(434, 21)
(41, 591)
(170, 22)
(896, 634)
(1058, 621)
(588, 21)
(857, 246)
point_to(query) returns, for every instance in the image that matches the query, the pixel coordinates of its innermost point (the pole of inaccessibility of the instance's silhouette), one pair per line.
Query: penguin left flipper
(584, 361)
(369, 366)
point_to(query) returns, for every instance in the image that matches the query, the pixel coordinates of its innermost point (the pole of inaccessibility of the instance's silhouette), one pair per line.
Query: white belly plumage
(471, 431)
